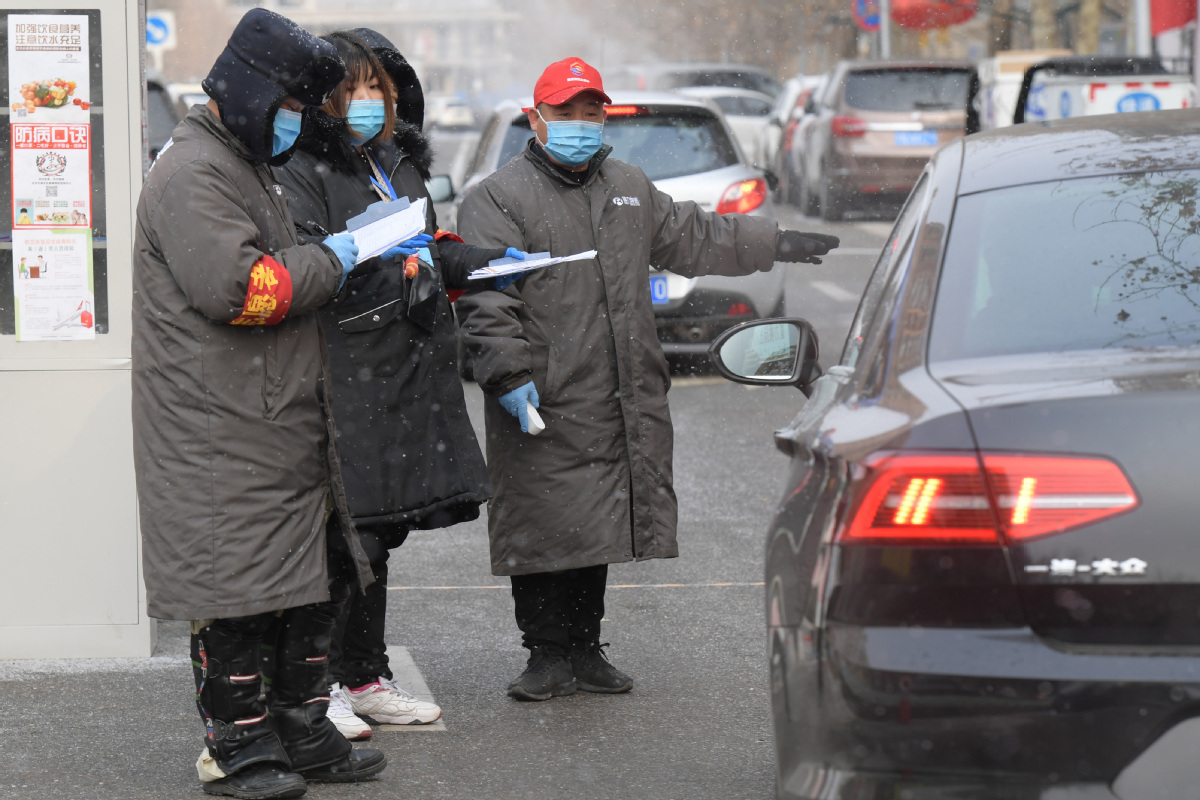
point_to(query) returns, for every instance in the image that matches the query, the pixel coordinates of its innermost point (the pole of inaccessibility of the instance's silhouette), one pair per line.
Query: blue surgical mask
(287, 129)
(573, 142)
(365, 118)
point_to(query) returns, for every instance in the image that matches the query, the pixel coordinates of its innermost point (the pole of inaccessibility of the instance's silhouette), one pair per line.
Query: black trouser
(560, 610)
(358, 653)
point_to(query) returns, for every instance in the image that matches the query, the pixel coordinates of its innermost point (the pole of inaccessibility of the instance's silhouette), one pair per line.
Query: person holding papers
(409, 455)
(577, 342)
(237, 467)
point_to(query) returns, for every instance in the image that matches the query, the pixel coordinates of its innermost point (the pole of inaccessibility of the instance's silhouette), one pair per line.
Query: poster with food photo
(48, 68)
(52, 285)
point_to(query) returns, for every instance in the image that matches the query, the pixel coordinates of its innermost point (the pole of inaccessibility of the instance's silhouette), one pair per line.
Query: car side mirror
(768, 352)
(771, 178)
(810, 105)
(440, 188)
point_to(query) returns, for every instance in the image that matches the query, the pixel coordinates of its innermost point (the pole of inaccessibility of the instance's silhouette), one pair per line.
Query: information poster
(51, 175)
(49, 91)
(52, 278)
(48, 68)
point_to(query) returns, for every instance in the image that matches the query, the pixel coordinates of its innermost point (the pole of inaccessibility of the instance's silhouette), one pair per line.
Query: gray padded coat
(595, 487)
(236, 466)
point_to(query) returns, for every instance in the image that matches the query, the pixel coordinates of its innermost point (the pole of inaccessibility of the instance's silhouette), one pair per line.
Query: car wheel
(791, 190)
(807, 201)
(780, 309)
(832, 204)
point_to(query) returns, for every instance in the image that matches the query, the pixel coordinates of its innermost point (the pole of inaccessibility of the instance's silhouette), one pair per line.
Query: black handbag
(423, 290)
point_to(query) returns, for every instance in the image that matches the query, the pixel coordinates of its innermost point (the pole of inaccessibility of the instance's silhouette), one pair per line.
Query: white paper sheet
(507, 266)
(374, 238)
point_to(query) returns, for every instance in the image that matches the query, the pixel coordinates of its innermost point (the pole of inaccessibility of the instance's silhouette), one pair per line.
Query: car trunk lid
(1131, 579)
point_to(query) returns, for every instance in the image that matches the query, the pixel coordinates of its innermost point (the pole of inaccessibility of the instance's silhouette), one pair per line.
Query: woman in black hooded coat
(410, 458)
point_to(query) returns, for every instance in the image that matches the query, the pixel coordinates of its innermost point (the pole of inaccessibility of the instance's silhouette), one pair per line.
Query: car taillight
(739, 310)
(948, 499)
(625, 111)
(848, 127)
(1038, 495)
(743, 197)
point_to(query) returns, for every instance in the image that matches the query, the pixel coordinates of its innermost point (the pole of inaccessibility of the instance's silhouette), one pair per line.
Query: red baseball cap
(564, 79)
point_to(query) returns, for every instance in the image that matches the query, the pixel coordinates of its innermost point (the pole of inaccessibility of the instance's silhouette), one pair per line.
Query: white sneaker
(385, 702)
(343, 717)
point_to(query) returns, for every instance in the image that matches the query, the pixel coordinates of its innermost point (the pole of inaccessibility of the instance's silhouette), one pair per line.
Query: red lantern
(923, 15)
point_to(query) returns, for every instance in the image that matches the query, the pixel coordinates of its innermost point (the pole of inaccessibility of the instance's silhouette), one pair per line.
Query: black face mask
(423, 291)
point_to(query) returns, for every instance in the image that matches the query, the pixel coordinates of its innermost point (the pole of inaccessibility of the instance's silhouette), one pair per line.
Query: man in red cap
(578, 342)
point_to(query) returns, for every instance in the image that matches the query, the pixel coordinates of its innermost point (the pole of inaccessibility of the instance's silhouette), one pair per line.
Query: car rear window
(907, 90)
(730, 79)
(1082, 264)
(665, 143)
(743, 106)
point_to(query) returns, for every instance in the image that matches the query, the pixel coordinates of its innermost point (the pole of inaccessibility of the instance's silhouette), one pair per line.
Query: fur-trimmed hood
(328, 138)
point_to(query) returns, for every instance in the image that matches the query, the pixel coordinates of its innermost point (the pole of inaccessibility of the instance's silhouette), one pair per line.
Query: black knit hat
(268, 58)
(410, 99)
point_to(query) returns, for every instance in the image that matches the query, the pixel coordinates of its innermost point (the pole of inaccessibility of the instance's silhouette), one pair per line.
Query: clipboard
(384, 224)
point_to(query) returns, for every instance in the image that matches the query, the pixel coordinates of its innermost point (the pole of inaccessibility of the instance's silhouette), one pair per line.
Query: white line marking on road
(834, 292)
(721, 585)
(405, 671)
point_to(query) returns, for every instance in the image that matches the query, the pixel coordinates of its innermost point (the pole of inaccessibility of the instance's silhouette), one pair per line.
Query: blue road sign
(157, 30)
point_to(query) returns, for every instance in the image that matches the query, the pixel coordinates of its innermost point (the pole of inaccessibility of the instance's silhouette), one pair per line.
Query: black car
(983, 580)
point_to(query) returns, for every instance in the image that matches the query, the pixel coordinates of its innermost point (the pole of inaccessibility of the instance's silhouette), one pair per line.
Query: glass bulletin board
(53, 227)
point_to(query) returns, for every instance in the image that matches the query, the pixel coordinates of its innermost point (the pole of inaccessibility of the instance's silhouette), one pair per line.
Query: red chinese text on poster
(51, 175)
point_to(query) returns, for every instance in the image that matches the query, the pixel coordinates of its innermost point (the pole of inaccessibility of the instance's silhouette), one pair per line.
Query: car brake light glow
(848, 127)
(739, 310)
(948, 499)
(625, 111)
(743, 197)
(1038, 495)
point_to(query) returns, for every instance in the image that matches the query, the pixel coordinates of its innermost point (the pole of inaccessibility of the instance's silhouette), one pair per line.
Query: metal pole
(1143, 45)
(885, 29)
(1196, 48)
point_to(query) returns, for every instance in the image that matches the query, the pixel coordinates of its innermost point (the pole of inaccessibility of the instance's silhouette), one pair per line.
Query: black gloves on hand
(799, 247)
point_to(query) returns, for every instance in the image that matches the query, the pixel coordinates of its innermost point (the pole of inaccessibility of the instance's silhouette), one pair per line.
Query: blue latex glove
(505, 281)
(346, 249)
(410, 247)
(514, 403)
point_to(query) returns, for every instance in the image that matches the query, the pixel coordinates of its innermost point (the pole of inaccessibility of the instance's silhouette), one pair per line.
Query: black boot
(595, 673)
(547, 674)
(300, 698)
(319, 752)
(239, 734)
(259, 782)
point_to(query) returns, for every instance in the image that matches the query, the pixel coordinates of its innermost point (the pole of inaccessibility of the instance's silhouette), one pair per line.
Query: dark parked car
(875, 125)
(983, 580)
(161, 117)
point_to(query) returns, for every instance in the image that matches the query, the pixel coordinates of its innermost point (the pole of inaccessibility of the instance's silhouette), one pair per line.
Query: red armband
(269, 294)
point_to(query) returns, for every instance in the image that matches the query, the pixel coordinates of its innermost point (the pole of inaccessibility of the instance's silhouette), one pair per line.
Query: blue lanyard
(380, 179)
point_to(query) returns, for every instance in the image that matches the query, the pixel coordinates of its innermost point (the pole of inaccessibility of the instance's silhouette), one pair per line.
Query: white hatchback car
(687, 149)
(746, 111)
